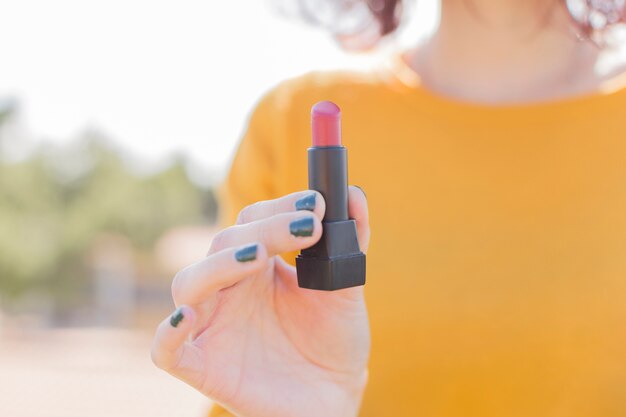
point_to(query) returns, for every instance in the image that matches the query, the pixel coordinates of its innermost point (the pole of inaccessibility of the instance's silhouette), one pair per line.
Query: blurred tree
(8, 107)
(55, 203)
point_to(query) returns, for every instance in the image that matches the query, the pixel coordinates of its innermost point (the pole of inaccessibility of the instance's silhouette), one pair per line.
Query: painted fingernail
(177, 317)
(301, 227)
(246, 253)
(363, 191)
(307, 202)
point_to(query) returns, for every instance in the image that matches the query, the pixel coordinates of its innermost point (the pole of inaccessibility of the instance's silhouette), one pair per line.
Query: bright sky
(158, 76)
(154, 75)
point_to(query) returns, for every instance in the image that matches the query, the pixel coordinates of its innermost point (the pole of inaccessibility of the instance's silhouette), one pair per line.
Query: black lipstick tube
(335, 261)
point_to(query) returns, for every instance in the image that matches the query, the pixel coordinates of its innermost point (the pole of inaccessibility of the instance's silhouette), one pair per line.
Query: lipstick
(335, 261)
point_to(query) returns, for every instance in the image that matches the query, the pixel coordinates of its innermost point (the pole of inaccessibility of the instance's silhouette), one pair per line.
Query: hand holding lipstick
(247, 336)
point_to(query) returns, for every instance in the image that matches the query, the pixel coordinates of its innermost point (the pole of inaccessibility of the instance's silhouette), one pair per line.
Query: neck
(505, 51)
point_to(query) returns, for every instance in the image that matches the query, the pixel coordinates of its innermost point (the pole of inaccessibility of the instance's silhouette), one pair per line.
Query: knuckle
(217, 241)
(268, 234)
(263, 234)
(243, 215)
(246, 214)
(177, 283)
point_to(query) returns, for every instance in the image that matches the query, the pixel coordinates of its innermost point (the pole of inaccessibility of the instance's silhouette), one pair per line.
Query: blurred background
(118, 120)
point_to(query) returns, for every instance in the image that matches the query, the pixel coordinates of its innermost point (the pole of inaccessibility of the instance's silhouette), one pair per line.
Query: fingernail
(246, 253)
(363, 191)
(301, 227)
(177, 317)
(307, 202)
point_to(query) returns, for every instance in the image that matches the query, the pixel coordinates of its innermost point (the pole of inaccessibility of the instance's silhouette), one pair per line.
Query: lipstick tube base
(331, 274)
(333, 263)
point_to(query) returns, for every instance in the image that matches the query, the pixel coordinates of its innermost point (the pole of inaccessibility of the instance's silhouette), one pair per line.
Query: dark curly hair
(350, 17)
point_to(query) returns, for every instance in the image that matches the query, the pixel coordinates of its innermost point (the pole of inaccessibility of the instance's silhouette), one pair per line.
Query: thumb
(357, 210)
(170, 349)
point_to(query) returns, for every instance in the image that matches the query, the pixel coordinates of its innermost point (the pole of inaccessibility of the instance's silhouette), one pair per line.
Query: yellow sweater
(497, 266)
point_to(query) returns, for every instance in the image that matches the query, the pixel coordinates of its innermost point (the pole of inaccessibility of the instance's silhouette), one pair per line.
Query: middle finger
(281, 233)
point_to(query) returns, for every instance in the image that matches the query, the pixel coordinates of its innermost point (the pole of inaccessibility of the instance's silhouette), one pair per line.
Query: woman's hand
(248, 337)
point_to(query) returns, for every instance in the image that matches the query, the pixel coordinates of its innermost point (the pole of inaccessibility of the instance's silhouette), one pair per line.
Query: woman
(493, 157)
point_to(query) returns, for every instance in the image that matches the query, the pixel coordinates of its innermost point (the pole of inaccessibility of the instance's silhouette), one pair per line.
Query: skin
(509, 51)
(252, 340)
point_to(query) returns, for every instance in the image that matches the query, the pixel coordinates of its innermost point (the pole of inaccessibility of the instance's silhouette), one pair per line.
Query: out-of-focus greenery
(57, 201)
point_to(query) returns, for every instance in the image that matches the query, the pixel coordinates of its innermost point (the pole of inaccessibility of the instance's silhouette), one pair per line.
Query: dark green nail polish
(247, 253)
(177, 317)
(302, 227)
(307, 202)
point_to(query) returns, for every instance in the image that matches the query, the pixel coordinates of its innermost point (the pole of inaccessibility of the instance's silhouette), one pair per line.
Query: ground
(88, 372)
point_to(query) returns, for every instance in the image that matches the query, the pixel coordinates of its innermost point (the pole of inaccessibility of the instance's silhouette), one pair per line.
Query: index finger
(309, 200)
